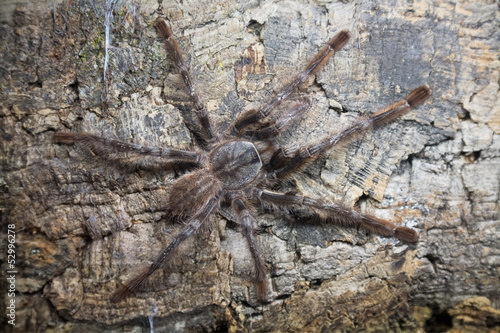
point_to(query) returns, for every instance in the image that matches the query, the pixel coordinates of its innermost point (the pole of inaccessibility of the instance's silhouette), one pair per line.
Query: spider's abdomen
(236, 164)
(192, 192)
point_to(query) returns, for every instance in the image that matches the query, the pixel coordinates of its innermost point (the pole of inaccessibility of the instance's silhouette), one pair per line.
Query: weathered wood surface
(83, 225)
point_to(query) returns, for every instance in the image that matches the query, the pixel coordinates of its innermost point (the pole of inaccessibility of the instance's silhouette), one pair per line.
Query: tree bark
(83, 226)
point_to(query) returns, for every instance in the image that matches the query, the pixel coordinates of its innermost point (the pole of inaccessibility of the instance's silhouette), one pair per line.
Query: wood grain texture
(83, 224)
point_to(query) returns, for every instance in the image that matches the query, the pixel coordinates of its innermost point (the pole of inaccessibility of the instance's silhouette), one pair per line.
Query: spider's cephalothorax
(236, 164)
(236, 167)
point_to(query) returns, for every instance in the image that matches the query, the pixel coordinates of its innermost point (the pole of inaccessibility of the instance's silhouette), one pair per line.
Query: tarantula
(235, 167)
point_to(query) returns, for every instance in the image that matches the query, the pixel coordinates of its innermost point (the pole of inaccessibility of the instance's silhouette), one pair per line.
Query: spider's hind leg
(248, 228)
(197, 221)
(341, 216)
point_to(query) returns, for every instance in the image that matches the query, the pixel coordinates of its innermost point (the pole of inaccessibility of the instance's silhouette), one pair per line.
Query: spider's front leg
(198, 220)
(174, 50)
(341, 216)
(253, 116)
(288, 161)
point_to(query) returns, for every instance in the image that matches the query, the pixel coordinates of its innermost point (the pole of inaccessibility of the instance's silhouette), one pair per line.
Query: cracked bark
(82, 225)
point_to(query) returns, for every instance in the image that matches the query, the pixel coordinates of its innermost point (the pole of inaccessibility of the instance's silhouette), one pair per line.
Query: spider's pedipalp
(293, 114)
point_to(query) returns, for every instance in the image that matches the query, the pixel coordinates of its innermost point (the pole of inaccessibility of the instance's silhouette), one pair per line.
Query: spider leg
(175, 52)
(288, 161)
(248, 228)
(187, 231)
(253, 116)
(107, 147)
(284, 121)
(342, 216)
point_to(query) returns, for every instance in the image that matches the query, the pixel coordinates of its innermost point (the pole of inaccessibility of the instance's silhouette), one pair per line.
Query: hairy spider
(236, 166)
